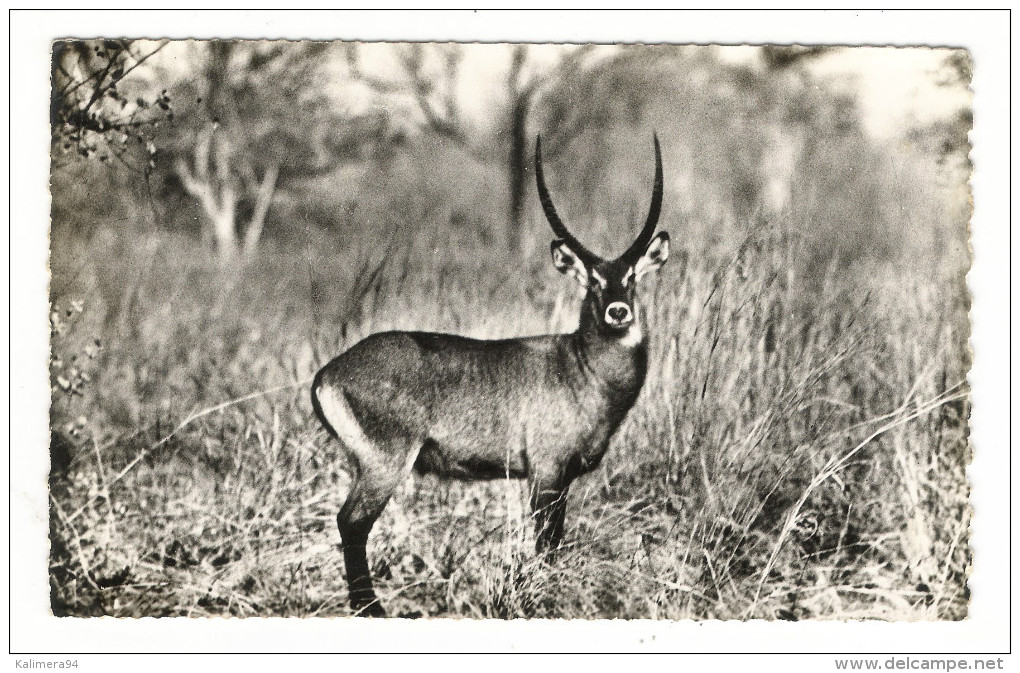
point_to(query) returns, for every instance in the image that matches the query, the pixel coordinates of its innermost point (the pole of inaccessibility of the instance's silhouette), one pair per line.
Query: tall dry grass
(799, 449)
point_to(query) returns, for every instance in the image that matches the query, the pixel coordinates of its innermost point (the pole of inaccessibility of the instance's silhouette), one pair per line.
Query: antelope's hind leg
(370, 491)
(378, 468)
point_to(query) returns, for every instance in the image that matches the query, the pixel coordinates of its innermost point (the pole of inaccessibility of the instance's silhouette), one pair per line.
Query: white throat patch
(632, 337)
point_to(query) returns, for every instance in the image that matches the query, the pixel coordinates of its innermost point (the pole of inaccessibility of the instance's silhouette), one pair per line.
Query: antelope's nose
(618, 313)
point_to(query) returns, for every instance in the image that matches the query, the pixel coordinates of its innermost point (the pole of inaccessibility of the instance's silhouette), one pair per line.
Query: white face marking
(628, 276)
(599, 279)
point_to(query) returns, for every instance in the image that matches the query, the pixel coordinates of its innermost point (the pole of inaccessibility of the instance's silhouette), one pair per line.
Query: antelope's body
(542, 408)
(473, 420)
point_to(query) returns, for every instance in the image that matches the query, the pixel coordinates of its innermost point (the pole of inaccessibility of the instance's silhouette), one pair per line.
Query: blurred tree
(96, 106)
(943, 144)
(786, 57)
(428, 75)
(521, 91)
(712, 113)
(947, 138)
(592, 100)
(956, 69)
(263, 120)
(760, 137)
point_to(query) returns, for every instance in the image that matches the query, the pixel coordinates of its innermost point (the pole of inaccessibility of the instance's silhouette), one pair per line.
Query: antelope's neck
(618, 362)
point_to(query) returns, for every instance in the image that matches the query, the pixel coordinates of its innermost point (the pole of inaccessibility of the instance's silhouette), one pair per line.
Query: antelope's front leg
(549, 508)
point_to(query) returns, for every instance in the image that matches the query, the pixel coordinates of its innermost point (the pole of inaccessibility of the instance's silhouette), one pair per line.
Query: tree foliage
(97, 107)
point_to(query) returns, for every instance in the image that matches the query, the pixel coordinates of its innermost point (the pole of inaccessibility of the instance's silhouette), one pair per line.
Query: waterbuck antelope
(542, 408)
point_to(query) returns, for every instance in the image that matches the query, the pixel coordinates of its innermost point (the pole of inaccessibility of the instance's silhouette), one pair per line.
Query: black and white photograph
(513, 330)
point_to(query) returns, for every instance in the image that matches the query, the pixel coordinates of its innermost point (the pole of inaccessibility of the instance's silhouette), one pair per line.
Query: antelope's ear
(655, 255)
(567, 262)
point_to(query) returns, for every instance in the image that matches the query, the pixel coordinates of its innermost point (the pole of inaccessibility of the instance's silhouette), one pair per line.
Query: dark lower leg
(359, 578)
(550, 512)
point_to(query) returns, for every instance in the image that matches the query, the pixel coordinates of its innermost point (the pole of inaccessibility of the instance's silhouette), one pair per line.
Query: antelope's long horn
(550, 211)
(637, 248)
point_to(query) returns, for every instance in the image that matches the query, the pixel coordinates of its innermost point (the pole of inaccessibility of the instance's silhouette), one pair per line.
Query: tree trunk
(226, 240)
(517, 167)
(214, 191)
(517, 155)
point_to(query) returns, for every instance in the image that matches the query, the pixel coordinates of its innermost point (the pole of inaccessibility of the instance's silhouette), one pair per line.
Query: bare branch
(101, 88)
(263, 199)
(198, 188)
(193, 185)
(79, 83)
(419, 87)
(143, 59)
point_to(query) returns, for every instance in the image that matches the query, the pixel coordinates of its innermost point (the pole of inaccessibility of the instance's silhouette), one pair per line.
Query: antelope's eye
(598, 278)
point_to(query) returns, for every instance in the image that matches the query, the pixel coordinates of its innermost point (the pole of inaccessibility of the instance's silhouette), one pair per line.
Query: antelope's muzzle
(618, 314)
